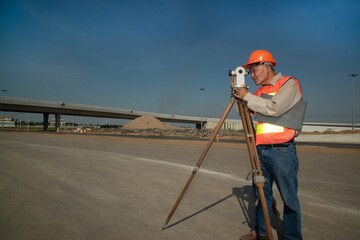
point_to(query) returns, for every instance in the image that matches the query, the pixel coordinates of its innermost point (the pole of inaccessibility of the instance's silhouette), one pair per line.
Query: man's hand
(240, 92)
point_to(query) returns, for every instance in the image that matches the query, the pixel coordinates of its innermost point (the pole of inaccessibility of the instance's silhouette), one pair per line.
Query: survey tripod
(238, 78)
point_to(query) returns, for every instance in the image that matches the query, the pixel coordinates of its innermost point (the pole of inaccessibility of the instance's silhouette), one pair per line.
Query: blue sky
(155, 55)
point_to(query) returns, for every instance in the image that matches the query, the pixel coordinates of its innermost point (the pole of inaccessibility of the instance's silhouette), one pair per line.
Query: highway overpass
(46, 108)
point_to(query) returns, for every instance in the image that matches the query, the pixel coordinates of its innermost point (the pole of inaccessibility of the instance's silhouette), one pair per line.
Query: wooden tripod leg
(258, 178)
(200, 160)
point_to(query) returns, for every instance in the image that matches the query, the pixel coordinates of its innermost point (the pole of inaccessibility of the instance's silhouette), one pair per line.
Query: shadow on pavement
(246, 198)
(198, 212)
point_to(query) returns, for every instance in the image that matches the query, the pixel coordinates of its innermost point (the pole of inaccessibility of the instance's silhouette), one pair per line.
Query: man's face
(259, 73)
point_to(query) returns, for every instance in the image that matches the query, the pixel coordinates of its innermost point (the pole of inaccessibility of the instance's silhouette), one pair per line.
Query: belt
(286, 144)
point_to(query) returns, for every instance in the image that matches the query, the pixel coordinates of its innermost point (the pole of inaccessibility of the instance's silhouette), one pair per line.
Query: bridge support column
(57, 122)
(198, 125)
(46, 121)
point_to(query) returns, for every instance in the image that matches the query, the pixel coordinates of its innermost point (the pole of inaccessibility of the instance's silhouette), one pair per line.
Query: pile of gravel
(147, 122)
(151, 126)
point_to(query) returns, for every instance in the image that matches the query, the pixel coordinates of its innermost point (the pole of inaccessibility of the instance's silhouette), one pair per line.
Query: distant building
(229, 124)
(62, 122)
(6, 121)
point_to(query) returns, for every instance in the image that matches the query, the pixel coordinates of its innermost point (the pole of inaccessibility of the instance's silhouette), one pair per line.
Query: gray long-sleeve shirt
(287, 96)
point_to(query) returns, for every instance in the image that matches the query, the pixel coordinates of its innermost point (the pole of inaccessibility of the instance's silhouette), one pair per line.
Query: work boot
(252, 236)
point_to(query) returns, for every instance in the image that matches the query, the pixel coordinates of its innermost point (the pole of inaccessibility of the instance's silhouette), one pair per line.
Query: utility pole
(202, 106)
(172, 106)
(353, 76)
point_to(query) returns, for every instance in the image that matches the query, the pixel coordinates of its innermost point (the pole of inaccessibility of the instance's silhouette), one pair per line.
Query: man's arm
(287, 96)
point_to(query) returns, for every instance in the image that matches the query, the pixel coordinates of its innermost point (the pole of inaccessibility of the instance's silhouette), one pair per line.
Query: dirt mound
(147, 122)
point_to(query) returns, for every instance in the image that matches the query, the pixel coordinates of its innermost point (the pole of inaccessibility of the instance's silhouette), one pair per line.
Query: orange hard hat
(260, 56)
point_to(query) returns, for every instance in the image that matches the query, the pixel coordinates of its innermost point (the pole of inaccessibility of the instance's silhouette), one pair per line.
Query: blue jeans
(280, 164)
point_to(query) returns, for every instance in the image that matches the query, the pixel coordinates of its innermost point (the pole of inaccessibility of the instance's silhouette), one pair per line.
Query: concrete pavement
(58, 186)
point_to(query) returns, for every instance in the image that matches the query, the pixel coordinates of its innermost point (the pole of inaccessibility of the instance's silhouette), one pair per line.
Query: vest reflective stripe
(267, 133)
(268, 128)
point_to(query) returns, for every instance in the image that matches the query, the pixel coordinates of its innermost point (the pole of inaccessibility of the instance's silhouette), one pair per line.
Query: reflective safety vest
(267, 133)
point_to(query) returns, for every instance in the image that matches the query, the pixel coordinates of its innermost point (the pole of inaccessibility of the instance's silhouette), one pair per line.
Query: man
(275, 144)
